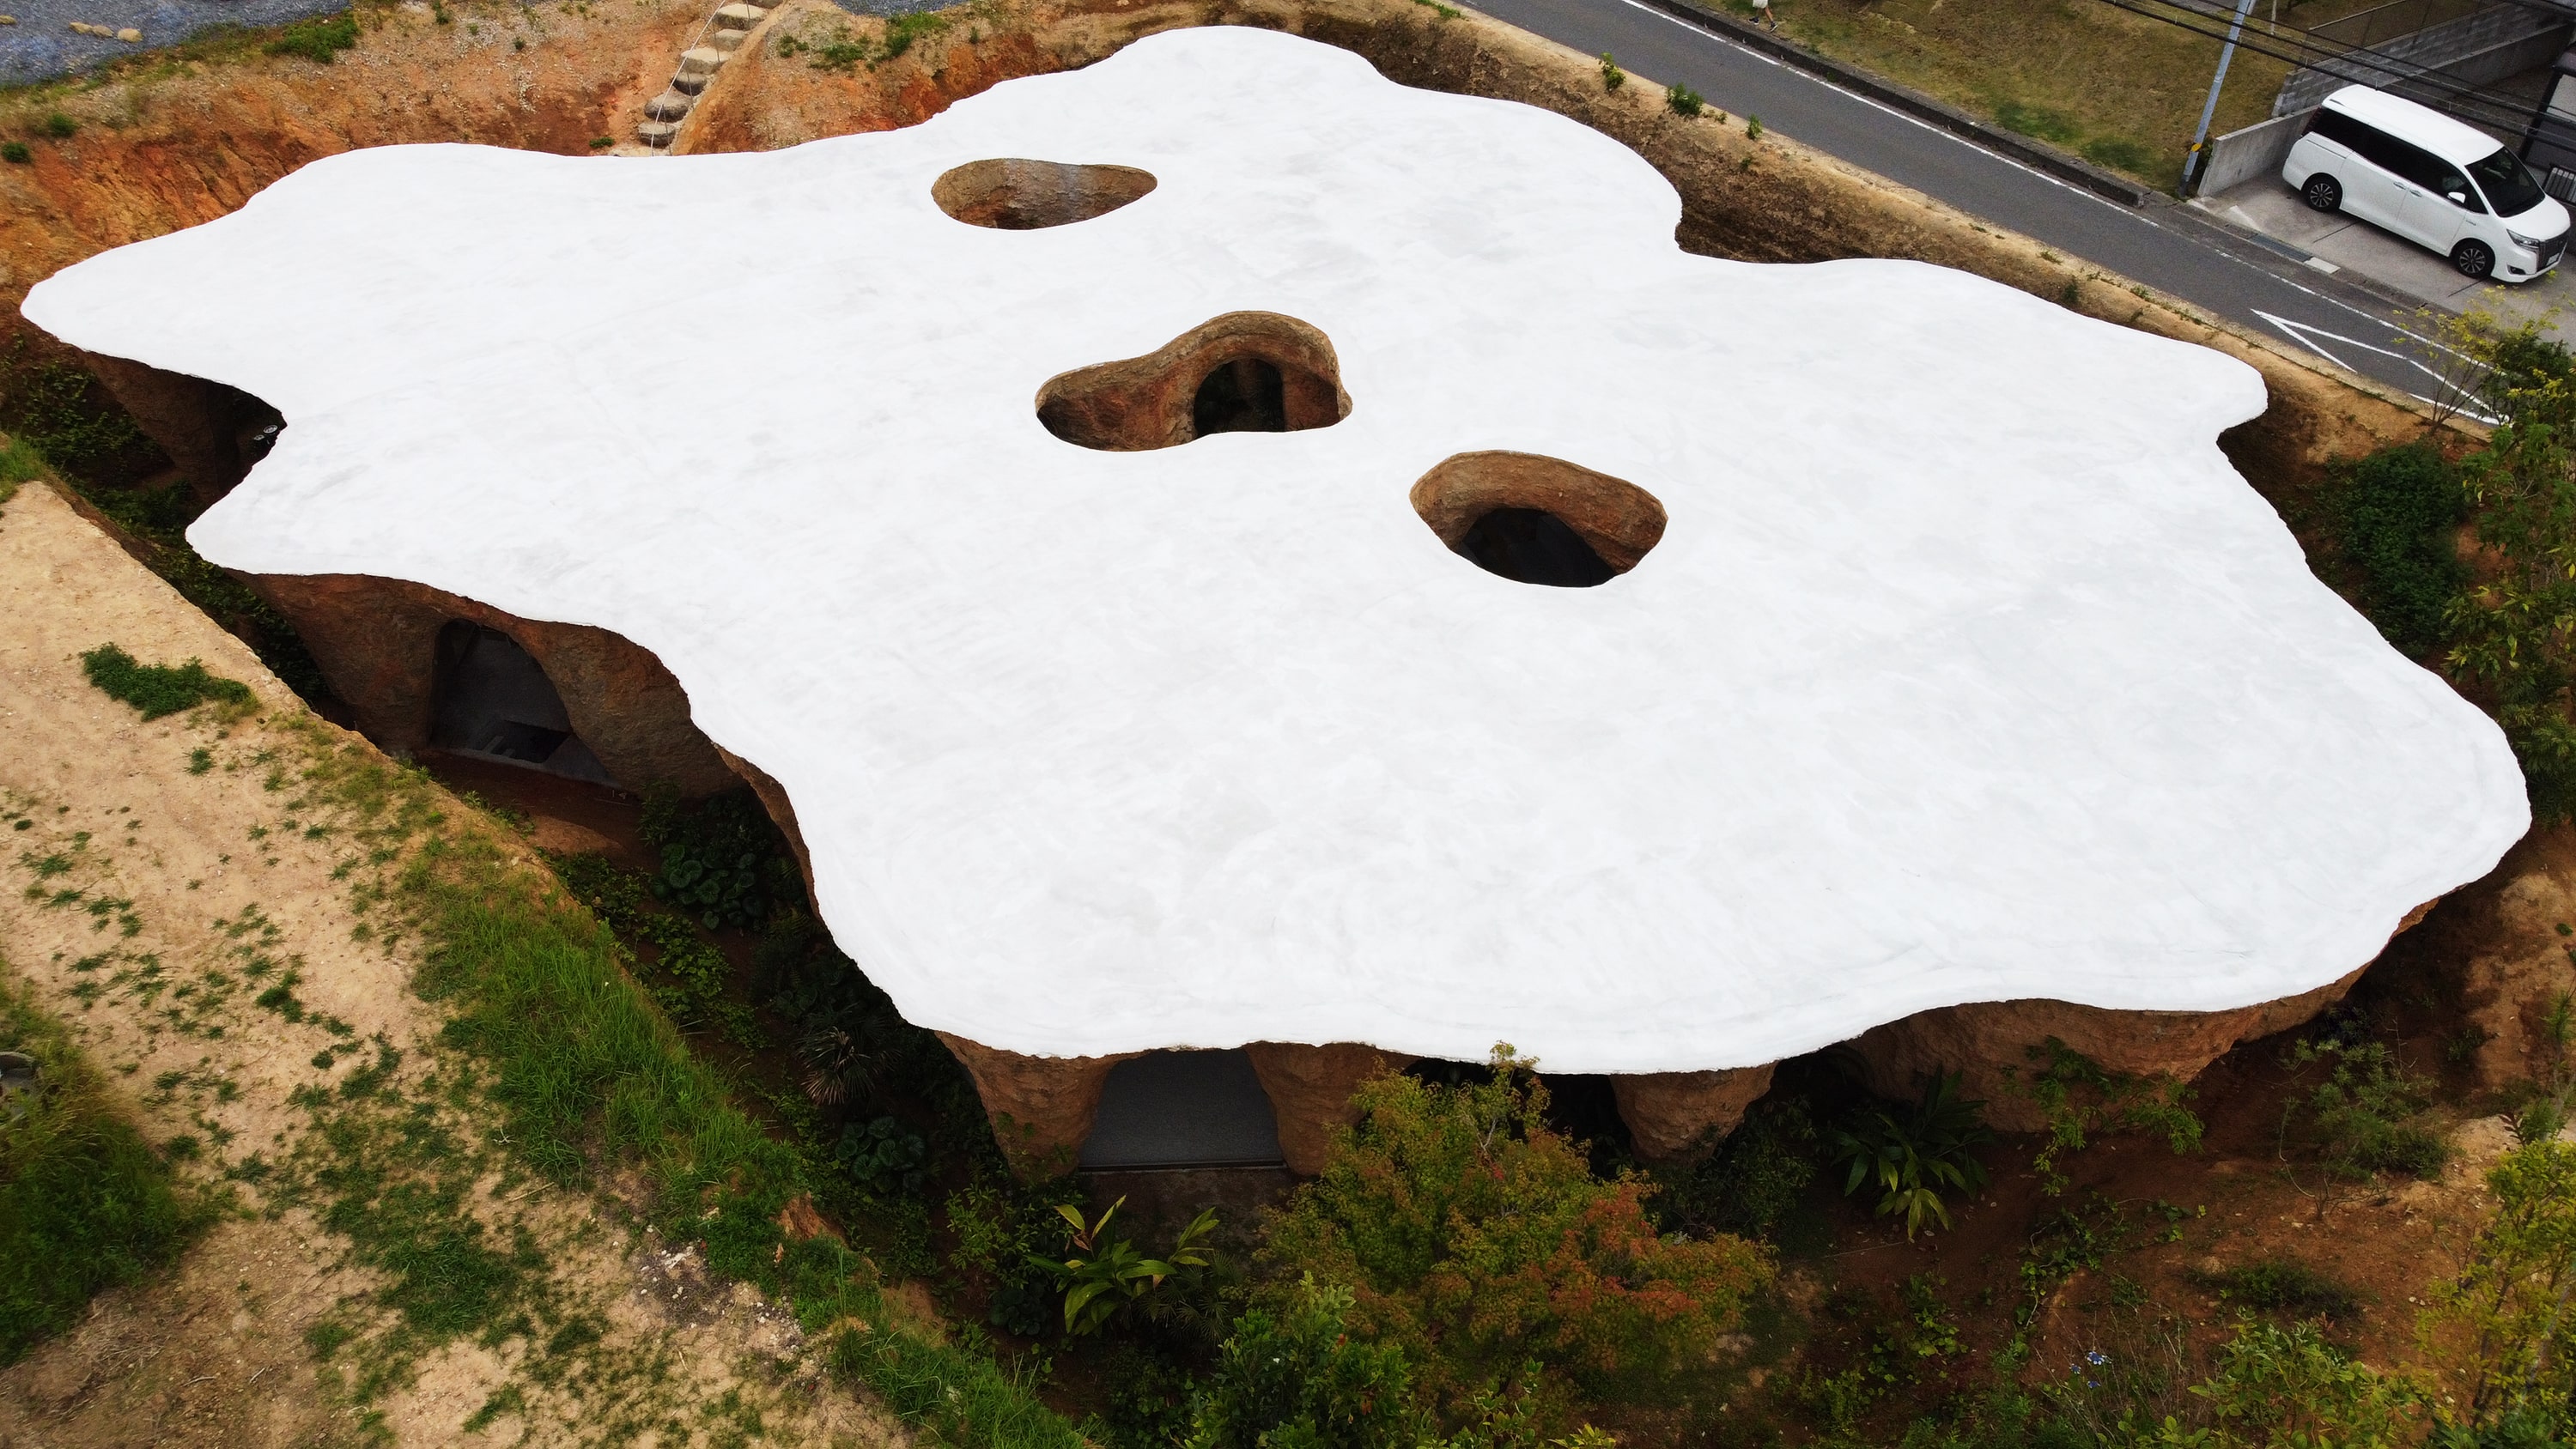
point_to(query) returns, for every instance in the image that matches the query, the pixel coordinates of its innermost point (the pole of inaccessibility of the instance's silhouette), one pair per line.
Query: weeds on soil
(85, 1204)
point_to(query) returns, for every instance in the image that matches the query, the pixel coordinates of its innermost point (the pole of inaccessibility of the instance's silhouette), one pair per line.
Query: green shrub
(16, 153)
(2398, 509)
(161, 689)
(2511, 1301)
(1916, 1153)
(61, 127)
(2364, 1115)
(1294, 1374)
(319, 40)
(1751, 1181)
(85, 1205)
(2285, 1387)
(1683, 101)
(2521, 365)
(1475, 1239)
(1612, 77)
(720, 857)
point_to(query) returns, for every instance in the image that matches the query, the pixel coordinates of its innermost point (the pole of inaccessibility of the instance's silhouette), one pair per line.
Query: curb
(1914, 103)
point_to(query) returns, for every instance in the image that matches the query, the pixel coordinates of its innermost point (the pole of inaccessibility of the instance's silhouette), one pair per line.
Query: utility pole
(2194, 161)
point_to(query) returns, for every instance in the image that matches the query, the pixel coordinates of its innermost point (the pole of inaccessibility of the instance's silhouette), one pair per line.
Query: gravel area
(43, 45)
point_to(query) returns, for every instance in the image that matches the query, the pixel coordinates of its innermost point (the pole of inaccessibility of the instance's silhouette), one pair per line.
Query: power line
(2500, 112)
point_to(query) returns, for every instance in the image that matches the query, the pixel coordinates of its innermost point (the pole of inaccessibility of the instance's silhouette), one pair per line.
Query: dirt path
(203, 928)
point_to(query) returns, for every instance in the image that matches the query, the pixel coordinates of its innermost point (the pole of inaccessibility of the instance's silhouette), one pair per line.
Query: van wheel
(2323, 193)
(2474, 259)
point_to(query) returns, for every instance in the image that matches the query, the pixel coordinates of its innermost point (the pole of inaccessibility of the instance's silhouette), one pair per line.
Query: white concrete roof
(1967, 668)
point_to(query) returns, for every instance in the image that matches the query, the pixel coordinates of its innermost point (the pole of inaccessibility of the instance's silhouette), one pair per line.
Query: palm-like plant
(1915, 1153)
(1104, 1277)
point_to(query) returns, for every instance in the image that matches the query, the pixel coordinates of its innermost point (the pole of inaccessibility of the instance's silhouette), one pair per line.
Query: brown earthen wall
(376, 641)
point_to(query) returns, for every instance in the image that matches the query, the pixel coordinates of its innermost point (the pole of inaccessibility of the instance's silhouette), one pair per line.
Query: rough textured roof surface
(1966, 669)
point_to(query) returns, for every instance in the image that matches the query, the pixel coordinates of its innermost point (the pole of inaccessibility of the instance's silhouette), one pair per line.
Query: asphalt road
(2167, 246)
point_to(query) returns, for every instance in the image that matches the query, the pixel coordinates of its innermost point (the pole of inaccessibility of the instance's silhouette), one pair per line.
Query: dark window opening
(1531, 546)
(491, 699)
(1246, 395)
(1182, 1109)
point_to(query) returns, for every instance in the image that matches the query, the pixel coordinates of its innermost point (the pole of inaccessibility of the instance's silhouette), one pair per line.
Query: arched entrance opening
(1175, 1109)
(490, 699)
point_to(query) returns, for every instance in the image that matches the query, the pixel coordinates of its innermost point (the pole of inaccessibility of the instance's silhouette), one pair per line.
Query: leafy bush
(319, 40)
(885, 1156)
(2511, 1301)
(2364, 1115)
(2397, 510)
(2284, 1387)
(61, 127)
(997, 1227)
(1916, 1153)
(1683, 101)
(16, 153)
(717, 856)
(2507, 635)
(85, 1205)
(1294, 1374)
(1474, 1238)
(1612, 77)
(2081, 1099)
(1749, 1182)
(160, 689)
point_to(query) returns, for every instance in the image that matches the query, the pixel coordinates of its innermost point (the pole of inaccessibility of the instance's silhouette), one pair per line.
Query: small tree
(1291, 1374)
(1478, 1240)
(2512, 1300)
(2515, 635)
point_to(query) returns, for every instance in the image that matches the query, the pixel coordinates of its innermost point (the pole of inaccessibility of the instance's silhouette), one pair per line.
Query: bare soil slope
(207, 938)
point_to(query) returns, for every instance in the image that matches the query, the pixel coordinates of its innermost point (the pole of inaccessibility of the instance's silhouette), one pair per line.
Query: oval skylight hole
(1244, 372)
(1013, 193)
(1538, 520)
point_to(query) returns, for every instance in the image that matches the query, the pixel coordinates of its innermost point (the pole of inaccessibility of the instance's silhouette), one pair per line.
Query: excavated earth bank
(177, 146)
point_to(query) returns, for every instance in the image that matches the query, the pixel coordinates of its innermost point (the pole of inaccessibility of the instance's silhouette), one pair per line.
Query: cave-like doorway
(1178, 1109)
(490, 699)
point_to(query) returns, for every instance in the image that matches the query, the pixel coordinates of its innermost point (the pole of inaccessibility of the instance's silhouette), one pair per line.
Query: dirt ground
(205, 878)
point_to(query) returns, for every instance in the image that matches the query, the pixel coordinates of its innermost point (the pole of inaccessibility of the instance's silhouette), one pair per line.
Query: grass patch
(587, 1078)
(319, 40)
(161, 689)
(85, 1203)
(2280, 1285)
(2119, 89)
(18, 464)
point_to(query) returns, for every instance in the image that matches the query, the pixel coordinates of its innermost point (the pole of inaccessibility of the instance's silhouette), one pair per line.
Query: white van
(2431, 180)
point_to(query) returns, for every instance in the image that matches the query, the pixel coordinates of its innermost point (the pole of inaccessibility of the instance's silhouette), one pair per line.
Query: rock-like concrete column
(1667, 1111)
(1986, 1040)
(1310, 1092)
(1041, 1107)
(1980, 1042)
(782, 813)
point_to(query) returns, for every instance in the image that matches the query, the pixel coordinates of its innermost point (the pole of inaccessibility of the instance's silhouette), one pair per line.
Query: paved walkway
(2335, 244)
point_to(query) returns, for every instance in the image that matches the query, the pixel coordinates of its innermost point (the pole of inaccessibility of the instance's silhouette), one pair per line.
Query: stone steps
(727, 31)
